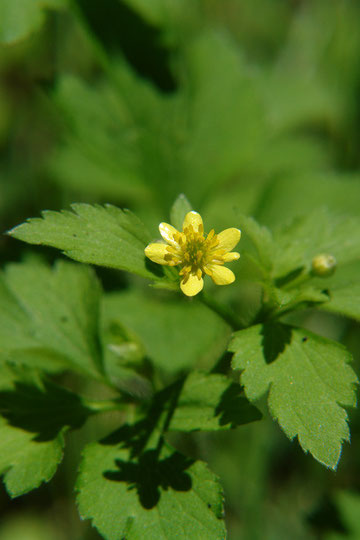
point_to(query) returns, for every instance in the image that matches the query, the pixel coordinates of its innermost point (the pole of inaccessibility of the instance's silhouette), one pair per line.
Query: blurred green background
(243, 105)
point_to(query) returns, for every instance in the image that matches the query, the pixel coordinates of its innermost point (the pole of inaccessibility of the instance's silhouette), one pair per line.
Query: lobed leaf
(35, 416)
(152, 492)
(210, 402)
(49, 317)
(308, 382)
(94, 234)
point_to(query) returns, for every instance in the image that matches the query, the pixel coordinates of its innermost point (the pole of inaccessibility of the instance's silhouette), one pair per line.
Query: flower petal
(194, 219)
(221, 275)
(232, 256)
(156, 253)
(167, 232)
(228, 239)
(192, 286)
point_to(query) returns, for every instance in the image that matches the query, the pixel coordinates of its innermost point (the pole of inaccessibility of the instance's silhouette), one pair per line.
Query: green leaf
(348, 504)
(179, 210)
(102, 235)
(316, 233)
(142, 144)
(154, 492)
(19, 18)
(98, 141)
(346, 301)
(225, 114)
(308, 382)
(160, 12)
(25, 462)
(161, 324)
(210, 402)
(261, 240)
(36, 415)
(344, 291)
(340, 193)
(49, 317)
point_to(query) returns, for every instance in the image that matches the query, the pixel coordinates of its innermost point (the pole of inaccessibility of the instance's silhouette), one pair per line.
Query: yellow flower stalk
(195, 253)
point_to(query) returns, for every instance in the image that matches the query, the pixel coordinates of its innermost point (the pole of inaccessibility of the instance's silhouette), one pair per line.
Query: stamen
(199, 274)
(186, 278)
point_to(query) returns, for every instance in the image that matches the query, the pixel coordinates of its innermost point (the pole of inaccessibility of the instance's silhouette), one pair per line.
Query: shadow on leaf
(151, 467)
(284, 280)
(44, 410)
(276, 337)
(150, 475)
(235, 409)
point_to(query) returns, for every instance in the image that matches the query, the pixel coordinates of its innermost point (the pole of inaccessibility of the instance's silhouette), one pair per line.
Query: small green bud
(323, 265)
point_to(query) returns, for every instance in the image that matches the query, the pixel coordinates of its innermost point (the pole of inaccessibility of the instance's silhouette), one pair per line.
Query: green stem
(224, 311)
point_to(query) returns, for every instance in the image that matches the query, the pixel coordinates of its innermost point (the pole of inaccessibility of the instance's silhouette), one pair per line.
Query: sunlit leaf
(307, 380)
(211, 402)
(102, 235)
(129, 491)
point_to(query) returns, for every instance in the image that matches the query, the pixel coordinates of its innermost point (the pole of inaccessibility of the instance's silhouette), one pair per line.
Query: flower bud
(323, 265)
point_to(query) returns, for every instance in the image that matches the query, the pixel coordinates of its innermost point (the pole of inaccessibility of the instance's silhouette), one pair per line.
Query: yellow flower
(196, 253)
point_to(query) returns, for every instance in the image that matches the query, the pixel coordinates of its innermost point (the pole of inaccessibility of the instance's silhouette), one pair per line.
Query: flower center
(194, 252)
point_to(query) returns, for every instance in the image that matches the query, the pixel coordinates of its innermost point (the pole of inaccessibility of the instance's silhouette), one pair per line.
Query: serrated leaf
(94, 234)
(161, 324)
(19, 18)
(210, 402)
(35, 416)
(49, 317)
(308, 382)
(156, 493)
(143, 144)
(27, 463)
(179, 210)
